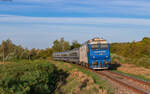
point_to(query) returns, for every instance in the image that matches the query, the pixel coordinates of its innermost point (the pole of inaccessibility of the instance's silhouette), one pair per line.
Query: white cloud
(74, 20)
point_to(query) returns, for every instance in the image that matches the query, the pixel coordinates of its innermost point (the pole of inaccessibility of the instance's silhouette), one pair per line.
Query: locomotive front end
(99, 54)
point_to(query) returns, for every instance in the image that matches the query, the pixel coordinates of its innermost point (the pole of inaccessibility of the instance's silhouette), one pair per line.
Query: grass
(143, 61)
(140, 77)
(97, 80)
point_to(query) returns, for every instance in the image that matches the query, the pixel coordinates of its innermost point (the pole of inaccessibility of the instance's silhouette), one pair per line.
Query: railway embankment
(81, 81)
(107, 80)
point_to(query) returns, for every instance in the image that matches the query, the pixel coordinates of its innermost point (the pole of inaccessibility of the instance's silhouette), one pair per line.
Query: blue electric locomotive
(94, 53)
(99, 55)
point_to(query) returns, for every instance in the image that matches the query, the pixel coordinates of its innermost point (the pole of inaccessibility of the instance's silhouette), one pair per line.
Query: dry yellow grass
(5, 62)
(68, 65)
(80, 83)
(132, 69)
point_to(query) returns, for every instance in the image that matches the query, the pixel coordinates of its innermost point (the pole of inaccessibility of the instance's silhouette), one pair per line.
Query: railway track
(136, 86)
(139, 83)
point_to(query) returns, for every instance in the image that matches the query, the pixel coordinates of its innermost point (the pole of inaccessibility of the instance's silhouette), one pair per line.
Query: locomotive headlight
(93, 56)
(106, 56)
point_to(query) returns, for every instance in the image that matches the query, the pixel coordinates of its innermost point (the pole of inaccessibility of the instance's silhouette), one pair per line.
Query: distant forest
(134, 49)
(10, 51)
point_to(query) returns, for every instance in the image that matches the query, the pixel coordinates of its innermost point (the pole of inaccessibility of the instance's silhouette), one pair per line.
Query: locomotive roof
(97, 40)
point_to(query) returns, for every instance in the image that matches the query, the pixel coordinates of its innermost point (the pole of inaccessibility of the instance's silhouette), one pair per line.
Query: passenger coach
(94, 53)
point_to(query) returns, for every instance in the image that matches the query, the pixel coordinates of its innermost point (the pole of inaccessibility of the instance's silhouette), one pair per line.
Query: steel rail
(131, 87)
(131, 78)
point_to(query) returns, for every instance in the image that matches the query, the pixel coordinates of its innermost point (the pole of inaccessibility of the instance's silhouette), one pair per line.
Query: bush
(37, 77)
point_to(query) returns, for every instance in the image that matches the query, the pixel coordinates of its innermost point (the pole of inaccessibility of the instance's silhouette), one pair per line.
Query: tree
(56, 46)
(47, 53)
(133, 49)
(60, 45)
(64, 45)
(8, 48)
(75, 44)
(32, 54)
(3, 50)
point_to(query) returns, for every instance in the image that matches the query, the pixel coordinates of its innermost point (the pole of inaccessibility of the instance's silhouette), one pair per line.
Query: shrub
(37, 77)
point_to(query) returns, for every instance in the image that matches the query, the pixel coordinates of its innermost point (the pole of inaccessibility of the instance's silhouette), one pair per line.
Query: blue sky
(37, 23)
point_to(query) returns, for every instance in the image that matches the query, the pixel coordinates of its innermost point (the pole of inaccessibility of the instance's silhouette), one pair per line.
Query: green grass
(102, 84)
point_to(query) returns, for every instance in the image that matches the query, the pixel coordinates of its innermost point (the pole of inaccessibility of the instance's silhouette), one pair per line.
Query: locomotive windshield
(95, 46)
(99, 46)
(104, 46)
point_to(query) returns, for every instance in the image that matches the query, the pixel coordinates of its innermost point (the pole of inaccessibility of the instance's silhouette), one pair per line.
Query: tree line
(10, 51)
(132, 49)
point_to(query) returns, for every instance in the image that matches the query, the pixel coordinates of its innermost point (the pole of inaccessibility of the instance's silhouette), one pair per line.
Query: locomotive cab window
(95, 46)
(104, 46)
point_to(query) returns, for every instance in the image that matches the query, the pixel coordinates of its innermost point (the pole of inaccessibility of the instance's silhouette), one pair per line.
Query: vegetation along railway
(95, 55)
